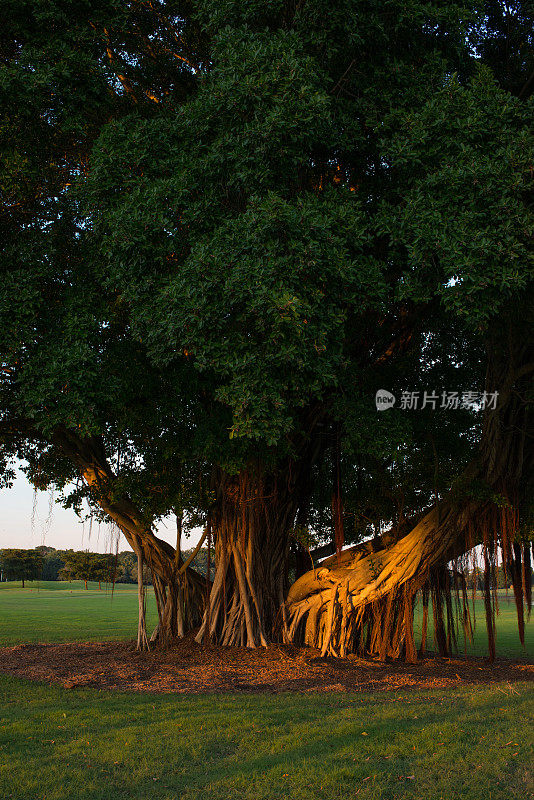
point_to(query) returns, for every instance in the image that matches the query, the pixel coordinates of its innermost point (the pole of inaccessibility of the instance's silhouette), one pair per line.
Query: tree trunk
(363, 601)
(179, 591)
(142, 638)
(252, 520)
(180, 604)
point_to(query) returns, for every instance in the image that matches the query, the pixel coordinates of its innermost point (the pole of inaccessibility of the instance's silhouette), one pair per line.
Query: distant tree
(103, 568)
(66, 573)
(200, 561)
(503, 578)
(53, 562)
(45, 549)
(21, 565)
(81, 565)
(127, 563)
(147, 575)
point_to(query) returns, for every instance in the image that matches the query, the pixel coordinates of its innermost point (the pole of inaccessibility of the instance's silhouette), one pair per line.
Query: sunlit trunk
(363, 601)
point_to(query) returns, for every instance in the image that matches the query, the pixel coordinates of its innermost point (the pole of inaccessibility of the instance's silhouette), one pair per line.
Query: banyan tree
(224, 227)
(362, 599)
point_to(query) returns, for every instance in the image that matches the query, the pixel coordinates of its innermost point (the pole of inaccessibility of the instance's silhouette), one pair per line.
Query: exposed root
(364, 603)
(251, 523)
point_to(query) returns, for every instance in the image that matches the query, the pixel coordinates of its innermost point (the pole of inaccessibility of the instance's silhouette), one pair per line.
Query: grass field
(507, 636)
(472, 743)
(56, 611)
(56, 744)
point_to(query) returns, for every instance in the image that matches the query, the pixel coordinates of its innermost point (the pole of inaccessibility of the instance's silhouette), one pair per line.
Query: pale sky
(60, 528)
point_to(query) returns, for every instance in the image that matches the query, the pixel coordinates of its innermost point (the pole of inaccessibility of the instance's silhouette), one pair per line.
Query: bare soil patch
(191, 668)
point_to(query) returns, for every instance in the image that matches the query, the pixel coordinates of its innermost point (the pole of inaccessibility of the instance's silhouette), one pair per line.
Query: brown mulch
(191, 668)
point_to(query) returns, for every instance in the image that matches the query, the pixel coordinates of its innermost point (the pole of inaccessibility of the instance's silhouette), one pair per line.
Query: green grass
(58, 611)
(55, 743)
(507, 636)
(91, 745)
(54, 611)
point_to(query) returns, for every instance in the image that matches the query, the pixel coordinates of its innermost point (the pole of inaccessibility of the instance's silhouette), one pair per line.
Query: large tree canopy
(224, 228)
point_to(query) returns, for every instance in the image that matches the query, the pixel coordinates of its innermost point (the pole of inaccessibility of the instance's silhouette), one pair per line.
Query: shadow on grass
(111, 745)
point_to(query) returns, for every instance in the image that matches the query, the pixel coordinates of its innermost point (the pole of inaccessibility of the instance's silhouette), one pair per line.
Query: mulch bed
(191, 669)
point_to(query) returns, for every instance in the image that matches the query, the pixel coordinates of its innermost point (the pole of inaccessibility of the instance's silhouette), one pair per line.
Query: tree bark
(363, 601)
(251, 520)
(179, 592)
(180, 603)
(142, 638)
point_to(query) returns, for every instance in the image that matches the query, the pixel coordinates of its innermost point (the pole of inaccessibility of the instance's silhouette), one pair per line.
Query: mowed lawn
(58, 611)
(473, 742)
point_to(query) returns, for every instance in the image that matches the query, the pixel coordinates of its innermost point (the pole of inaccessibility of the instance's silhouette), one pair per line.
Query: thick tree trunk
(180, 604)
(363, 601)
(179, 591)
(252, 520)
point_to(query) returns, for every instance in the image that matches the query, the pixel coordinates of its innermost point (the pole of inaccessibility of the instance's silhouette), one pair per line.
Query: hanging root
(142, 638)
(236, 612)
(180, 603)
(251, 521)
(364, 602)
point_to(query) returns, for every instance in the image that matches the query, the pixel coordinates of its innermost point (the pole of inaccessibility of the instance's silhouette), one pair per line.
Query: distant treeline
(502, 577)
(48, 564)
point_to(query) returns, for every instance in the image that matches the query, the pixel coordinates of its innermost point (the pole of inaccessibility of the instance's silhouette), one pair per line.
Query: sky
(57, 527)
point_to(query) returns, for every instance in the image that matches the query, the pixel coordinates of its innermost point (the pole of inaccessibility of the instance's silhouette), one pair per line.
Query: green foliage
(504, 38)
(306, 538)
(69, 564)
(127, 566)
(465, 222)
(200, 561)
(221, 221)
(86, 566)
(53, 562)
(20, 565)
